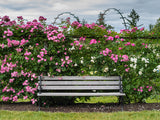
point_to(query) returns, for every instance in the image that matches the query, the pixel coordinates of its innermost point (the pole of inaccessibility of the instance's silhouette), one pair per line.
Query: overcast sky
(149, 10)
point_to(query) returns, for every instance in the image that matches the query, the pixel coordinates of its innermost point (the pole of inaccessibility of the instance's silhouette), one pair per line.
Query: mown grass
(103, 99)
(30, 115)
(143, 115)
(114, 99)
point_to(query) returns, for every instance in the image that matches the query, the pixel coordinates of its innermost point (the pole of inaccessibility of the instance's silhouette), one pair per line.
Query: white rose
(30, 47)
(93, 58)
(49, 74)
(82, 58)
(145, 65)
(154, 51)
(91, 72)
(149, 46)
(72, 48)
(105, 69)
(133, 60)
(131, 65)
(92, 61)
(158, 67)
(135, 66)
(140, 72)
(154, 70)
(146, 60)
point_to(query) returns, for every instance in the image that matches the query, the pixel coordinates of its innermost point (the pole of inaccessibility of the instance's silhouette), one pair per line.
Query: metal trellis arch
(66, 13)
(118, 11)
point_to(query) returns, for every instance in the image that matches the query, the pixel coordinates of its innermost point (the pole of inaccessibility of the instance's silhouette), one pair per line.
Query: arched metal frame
(63, 14)
(118, 11)
(73, 15)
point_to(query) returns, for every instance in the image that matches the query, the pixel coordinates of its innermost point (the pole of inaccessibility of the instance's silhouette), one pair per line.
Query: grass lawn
(143, 115)
(113, 99)
(30, 115)
(103, 99)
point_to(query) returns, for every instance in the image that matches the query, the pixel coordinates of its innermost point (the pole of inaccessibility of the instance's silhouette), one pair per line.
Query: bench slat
(79, 87)
(82, 94)
(79, 83)
(80, 78)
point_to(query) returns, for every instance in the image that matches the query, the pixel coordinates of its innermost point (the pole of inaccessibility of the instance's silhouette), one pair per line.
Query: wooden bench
(80, 86)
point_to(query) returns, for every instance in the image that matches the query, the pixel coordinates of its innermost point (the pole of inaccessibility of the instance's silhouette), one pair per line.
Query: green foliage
(31, 49)
(101, 21)
(156, 28)
(133, 19)
(138, 84)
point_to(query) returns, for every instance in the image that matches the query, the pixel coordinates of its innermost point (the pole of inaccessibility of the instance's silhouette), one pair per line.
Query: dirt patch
(80, 107)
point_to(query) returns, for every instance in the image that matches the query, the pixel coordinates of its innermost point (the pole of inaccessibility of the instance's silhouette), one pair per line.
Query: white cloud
(91, 12)
(60, 6)
(88, 9)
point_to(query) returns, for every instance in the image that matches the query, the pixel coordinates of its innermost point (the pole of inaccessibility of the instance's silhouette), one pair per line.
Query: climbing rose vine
(33, 48)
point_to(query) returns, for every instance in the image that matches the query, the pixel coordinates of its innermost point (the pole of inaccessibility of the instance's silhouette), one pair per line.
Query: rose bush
(30, 49)
(136, 60)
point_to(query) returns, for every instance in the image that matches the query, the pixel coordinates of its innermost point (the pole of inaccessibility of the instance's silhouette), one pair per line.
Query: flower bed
(33, 48)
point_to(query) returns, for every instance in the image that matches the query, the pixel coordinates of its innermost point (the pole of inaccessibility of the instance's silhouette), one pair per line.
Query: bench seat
(80, 86)
(81, 94)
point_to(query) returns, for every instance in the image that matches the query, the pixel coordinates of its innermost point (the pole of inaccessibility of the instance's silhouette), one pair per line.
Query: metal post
(122, 105)
(121, 91)
(40, 93)
(39, 103)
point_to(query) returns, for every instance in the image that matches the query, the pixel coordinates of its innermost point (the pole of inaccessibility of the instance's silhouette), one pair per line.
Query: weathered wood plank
(80, 78)
(79, 83)
(79, 87)
(82, 94)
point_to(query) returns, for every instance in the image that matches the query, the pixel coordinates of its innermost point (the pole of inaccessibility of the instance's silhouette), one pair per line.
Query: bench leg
(39, 103)
(121, 102)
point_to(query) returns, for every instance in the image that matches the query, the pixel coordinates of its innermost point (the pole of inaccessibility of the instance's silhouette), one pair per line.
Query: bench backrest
(71, 83)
